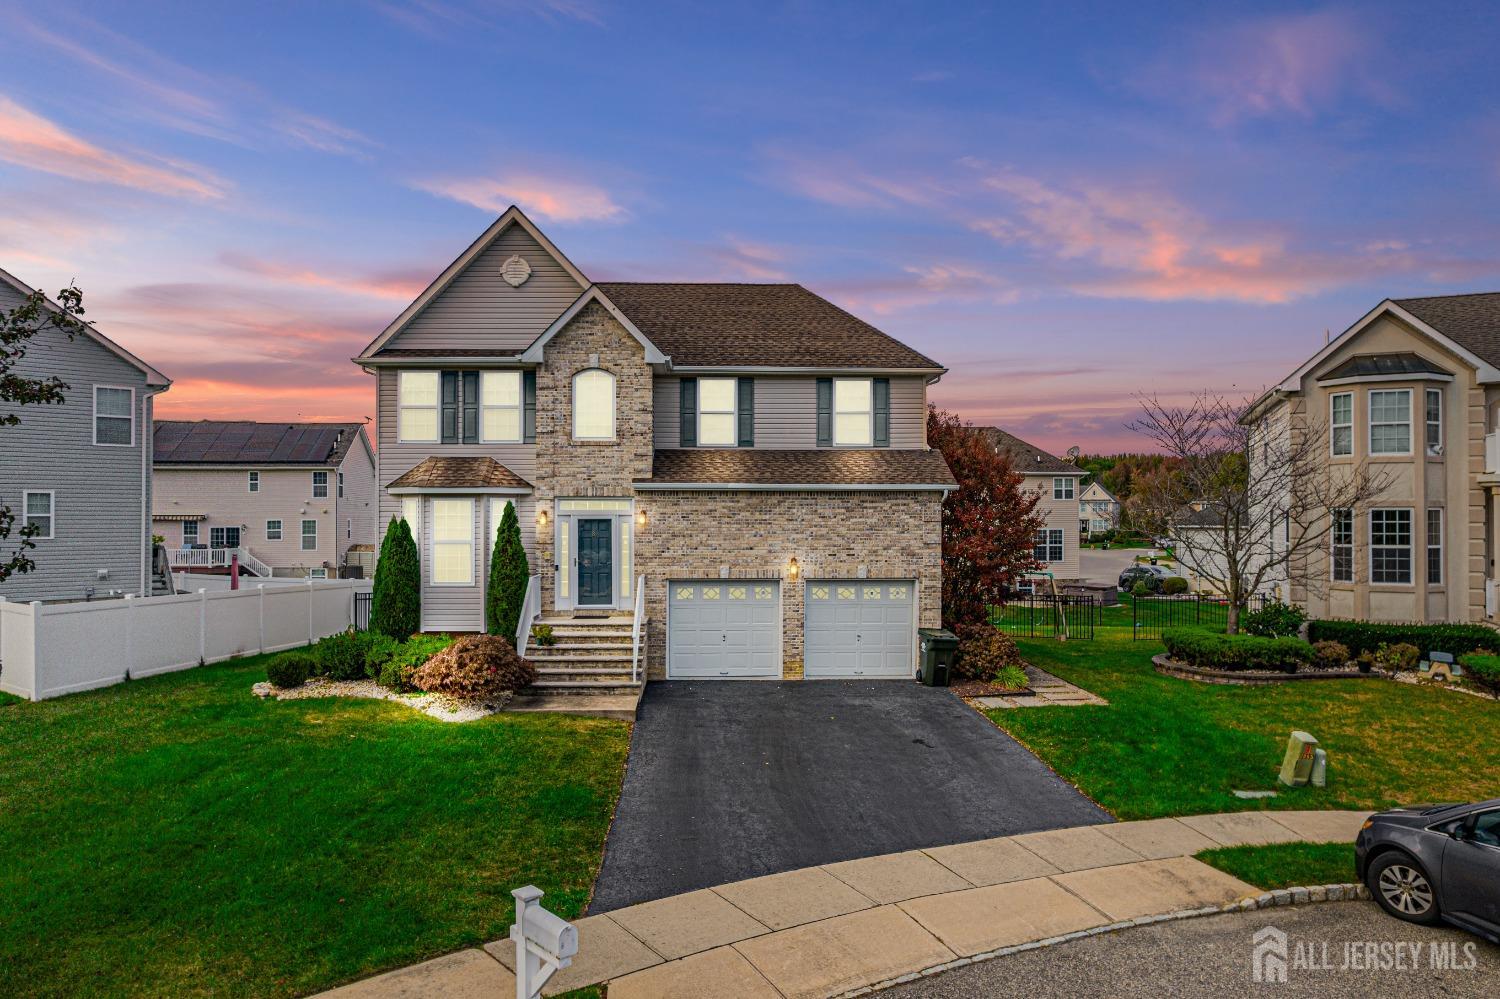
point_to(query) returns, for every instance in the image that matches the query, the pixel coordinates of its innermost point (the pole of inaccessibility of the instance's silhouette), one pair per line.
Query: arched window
(593, 405)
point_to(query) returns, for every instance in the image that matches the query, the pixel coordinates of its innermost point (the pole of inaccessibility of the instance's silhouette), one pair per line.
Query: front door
(595, 562)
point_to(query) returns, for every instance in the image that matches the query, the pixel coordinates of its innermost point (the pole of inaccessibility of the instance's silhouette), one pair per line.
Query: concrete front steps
(586, 671)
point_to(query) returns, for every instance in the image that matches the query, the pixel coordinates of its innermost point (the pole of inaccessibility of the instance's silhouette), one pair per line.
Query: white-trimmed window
(417, 406)
(1390, 421)
(341, 485)
(1434, 421)
(309, 535)
(1390, 546)
(1062, 488)
(1435, 546)
(39, 514)
(1341, 423)
(1049, 545)
(320, 485)
(500, 407)
(320, 573)
(853, 412)
(716, 412)
(1343, 546)
(273, 530)
(452, 542)
(594, 405)
(114, 416)
(411, 512)
(252, 481)
(223, 537)
(189, 533)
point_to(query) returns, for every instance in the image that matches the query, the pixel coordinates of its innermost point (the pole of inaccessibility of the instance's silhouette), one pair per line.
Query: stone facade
(755, 535)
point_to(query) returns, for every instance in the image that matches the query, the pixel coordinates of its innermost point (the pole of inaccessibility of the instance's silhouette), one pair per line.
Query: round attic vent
(515, 271)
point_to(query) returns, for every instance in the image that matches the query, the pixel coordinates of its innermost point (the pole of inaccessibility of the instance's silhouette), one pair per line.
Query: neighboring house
(1098, 510)
(290, 497)
(1056, 481)
(1414, 388)
(80, 471)
(1198, 549)
(756, 455)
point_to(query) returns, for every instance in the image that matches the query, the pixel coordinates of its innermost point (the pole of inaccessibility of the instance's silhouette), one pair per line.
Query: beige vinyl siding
(1059, 515)
(99, 520)
(224, 497)
(481, 311)
(786, 412)
(360, 502)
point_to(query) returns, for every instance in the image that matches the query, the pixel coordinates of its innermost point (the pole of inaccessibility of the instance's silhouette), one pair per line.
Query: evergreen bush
(509, 574)
(396, 607)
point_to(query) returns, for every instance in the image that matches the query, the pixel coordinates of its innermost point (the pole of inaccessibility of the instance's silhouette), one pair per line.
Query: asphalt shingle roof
(241, 442)
(778, 325)
(1362, 365)
(460, 473)
(1028, 458)
(1472, 320)
(823, 466)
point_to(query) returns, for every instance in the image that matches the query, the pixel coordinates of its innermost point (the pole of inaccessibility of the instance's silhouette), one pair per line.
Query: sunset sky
(1065, 206)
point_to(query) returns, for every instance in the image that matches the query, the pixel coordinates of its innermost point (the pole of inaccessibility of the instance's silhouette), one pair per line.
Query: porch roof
(455, 474)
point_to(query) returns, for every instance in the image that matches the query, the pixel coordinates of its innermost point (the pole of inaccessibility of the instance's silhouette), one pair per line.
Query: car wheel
(1403, 889)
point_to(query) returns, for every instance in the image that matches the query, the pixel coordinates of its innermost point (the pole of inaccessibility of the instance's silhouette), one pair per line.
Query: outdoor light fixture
(541, 518)
(640, 518)
(793, 568)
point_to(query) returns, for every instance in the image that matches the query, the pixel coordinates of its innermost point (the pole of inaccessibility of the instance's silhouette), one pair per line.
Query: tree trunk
(1232, 627)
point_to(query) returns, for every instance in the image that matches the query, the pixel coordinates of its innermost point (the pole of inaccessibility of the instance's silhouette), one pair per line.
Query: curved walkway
(824, 931)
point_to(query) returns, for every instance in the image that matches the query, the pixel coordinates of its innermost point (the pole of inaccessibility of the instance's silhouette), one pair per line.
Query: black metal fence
(1150, 616)
(362, 602)
(1042, 615)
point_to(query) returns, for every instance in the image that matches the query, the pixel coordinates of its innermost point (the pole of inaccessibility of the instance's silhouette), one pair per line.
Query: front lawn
(1286, 865)
(1165, 746)
(177, 836)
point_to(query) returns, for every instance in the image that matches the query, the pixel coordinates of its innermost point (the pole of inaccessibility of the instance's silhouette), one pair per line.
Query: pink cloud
(31, 141)
(548, 198)
(843, 182)
(400, 285)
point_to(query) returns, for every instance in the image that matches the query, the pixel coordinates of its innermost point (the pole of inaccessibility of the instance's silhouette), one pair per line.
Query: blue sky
(1067, 205)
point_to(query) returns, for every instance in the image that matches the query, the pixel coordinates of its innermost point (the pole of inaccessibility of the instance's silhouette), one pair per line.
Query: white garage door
(724, 628)
(860, 627)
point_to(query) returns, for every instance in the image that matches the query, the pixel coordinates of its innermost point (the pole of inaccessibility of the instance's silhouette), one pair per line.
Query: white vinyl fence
(51, 649)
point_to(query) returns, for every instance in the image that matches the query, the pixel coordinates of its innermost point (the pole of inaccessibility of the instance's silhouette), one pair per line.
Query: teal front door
(595, 562)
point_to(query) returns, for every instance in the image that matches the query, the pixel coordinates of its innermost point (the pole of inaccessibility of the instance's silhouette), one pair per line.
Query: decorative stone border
(1265, 900)
(1242, 678)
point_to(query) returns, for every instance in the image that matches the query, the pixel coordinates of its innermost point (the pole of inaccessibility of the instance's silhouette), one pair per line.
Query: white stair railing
(255, 565)
(635, 629)
(531, 609)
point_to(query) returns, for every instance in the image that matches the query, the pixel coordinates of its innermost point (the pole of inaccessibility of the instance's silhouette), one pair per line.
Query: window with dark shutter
(882, 412)
(528, 395)
(687, 416)
(746, 396)
(449, 407)
(471, 407)
(825, 412)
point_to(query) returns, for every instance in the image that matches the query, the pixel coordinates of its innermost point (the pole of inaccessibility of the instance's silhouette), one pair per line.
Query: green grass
(1285, 865)
(10, 699)
(178, 836)
(1165, 746)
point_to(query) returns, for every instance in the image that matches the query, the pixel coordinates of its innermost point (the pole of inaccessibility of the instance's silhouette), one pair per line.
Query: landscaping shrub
(1012, 677)
(395, 673)
(542, 634)
(983, 651)
(1174, 586)
(1400, 657)
(1140, 589)
(341, 656)
(509, 574)
(1331, 655)
(379, 648)
(1274, 620)
(290, 669)
(475, 666)
(1483, 671)
(1211, 650)
(1367, 636)
(396, 605)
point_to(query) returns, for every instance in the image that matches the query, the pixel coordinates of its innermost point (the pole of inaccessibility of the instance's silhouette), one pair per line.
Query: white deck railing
(531, 609)
(635, 629)
(216, 558)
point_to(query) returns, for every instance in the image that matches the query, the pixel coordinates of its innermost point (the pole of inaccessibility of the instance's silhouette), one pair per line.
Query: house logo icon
(1268, 956)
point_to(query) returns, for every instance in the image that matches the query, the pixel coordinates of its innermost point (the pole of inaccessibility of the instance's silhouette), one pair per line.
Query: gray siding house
(81, 470)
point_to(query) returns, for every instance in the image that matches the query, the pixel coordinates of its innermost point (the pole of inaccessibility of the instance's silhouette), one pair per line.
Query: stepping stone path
(1050, 690)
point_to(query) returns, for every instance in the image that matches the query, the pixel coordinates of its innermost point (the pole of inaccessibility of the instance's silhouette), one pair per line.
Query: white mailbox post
(545, 943)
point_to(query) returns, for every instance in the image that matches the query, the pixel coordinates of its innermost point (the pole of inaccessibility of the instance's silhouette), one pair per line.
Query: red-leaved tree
(989, 522)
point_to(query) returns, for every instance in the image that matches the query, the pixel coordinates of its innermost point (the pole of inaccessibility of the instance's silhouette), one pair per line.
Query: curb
(1251, 903)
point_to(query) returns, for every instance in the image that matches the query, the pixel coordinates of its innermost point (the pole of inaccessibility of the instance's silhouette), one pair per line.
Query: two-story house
(80, 472)
(1098, 509)
(1412, 390)
(288, 498)
(751, 454)
(1056, 481)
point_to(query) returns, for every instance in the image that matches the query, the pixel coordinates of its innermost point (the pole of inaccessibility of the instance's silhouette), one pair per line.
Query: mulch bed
(1251, 678)
(987, 688)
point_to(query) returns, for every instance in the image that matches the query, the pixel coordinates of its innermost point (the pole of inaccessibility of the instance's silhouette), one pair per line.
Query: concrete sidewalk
(824, 931)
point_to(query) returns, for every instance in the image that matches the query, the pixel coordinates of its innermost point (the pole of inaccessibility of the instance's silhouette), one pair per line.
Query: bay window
(1341, 423)
(1390, 421)
(1434, 421)
(1390, 546)
(452, 542)
(1343, 546)
(1435, 546)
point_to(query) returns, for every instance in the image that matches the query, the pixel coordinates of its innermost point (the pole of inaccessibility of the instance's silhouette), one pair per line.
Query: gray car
(1435, 863)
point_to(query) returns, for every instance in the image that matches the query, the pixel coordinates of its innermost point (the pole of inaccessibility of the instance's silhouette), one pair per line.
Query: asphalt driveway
(730, 780)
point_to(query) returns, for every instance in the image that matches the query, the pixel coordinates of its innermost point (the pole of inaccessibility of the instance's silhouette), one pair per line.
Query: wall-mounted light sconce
(541, 518)
(640, 518)
(793, 568)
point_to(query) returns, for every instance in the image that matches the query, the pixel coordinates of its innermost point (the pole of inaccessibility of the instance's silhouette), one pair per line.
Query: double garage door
(732, 628)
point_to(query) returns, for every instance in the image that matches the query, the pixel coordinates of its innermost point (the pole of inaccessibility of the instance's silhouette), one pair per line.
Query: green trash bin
(938, 647)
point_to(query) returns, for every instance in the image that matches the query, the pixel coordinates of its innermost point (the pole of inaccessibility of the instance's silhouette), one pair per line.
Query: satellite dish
(1073, 453)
